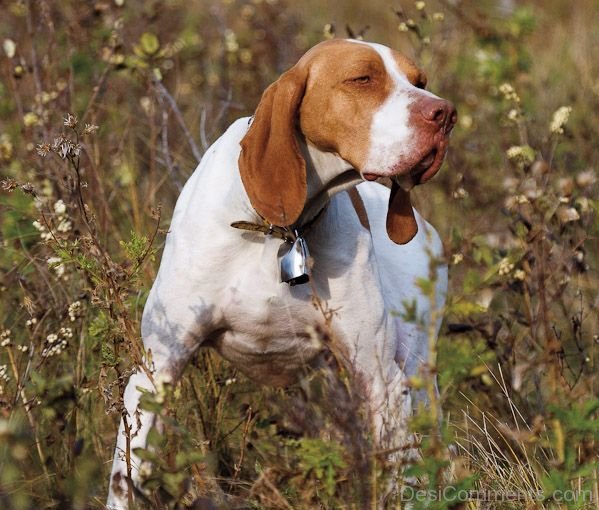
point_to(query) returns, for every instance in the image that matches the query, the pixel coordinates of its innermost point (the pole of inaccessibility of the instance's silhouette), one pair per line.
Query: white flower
(457, 258)
(567, 214)
(162, 383)
(56, 342)
(74, 310)
(43, 149)
(420, 5)
(45, 235)
(521, 154)
(55, 345)
(30, 119)
(509, 93)
(57, 265)
(90, 129)
(513, 115)
(66, 332)
(60, 208)
(231, 44)
(586, 178)
(5, 338)
(505, 267)
(519, 274)
(70, 120)
(9, 47)
(559, 120)
(3, 373)
(522, 199)
(510, 184)
(481, 55)
(64, 226)
(466, 121)
(460, 193)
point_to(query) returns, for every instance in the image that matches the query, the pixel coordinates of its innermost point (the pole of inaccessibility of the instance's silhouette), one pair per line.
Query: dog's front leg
(134, 427)
(133, 431)
(391, 405)
(164, 331)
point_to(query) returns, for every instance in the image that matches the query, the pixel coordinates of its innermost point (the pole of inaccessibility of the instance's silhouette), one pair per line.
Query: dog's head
(362, 101)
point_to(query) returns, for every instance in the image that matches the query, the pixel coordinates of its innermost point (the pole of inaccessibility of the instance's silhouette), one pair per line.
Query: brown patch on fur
(339, 103)
(414, 74)
(401, 223)
(272, 169)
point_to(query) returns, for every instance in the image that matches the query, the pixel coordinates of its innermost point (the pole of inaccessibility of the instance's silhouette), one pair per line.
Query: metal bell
(294, 264)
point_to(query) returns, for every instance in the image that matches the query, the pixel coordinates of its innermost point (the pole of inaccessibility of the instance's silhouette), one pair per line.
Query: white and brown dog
(346, 113)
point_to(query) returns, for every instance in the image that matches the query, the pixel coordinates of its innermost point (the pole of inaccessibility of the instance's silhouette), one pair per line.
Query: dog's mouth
(401, 223)
(420, 169)
(424, 164)
(419, 173)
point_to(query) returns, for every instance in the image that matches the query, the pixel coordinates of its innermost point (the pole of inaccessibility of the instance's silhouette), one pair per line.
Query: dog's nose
(439, 112)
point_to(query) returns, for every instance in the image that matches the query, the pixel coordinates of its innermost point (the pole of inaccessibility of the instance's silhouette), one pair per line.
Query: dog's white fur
(218, 286)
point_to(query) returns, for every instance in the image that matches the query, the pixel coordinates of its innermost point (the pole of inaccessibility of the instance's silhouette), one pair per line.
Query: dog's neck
(327, 174)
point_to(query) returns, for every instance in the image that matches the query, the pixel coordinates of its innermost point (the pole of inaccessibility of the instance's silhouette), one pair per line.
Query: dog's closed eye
(362, 80)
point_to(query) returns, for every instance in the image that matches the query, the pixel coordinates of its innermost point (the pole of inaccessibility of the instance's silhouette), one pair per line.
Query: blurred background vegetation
(86, 201)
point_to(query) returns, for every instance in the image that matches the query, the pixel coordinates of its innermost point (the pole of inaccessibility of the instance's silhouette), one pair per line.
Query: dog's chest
(263, 326)
(270, 328)
(270, 336)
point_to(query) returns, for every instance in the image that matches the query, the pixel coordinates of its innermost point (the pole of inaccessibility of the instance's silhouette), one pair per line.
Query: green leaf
(144, 454)
(135, 247)
(155, 438)
(108, 356)
(184, 459)
(465, 309)
(426, 286)
(149, 43)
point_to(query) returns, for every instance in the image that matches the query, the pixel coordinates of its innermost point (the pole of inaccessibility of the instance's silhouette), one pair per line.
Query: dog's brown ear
(272, 169)
(401, 224)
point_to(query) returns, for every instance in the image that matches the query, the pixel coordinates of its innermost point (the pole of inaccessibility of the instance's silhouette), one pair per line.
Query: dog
(290, 194)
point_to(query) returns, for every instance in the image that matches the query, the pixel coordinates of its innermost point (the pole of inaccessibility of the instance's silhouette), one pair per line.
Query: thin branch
(178, 115)
(165, 147)
(203, 137)
(225, 105)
